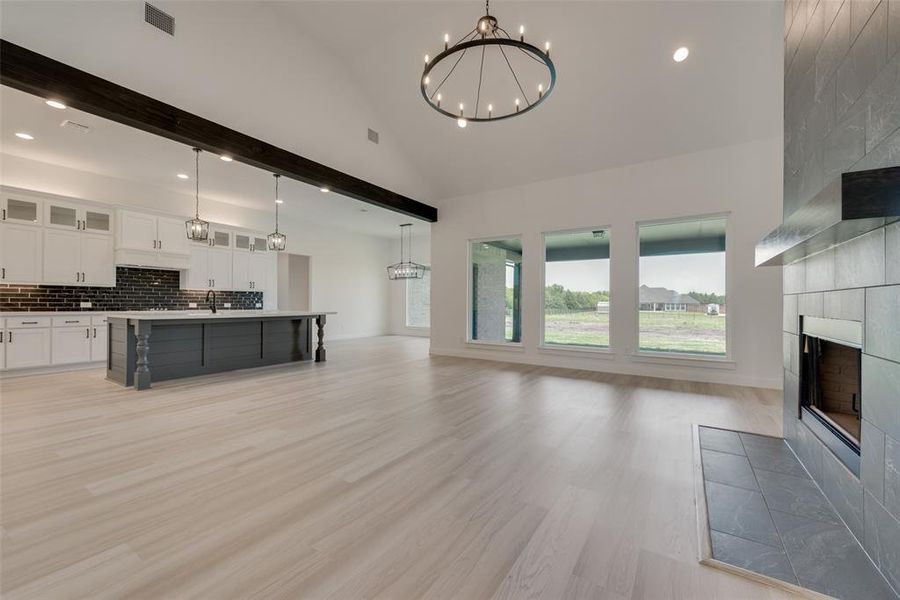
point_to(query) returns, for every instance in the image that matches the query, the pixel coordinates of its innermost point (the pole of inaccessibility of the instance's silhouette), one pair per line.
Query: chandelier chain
(480, 76)
(513, 71)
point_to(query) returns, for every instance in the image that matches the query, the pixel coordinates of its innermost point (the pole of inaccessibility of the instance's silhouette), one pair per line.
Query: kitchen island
(146, 346)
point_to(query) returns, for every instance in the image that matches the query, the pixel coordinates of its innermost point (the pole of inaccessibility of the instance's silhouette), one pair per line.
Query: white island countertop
(181, 315)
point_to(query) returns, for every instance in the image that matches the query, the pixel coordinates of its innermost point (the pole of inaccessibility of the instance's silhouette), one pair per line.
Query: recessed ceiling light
(56, 104)
(226, 158)
(324, 190)
(24, 136)
(681, 54)
(183, 176)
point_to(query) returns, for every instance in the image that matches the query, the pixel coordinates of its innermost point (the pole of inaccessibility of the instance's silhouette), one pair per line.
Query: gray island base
(152, 346)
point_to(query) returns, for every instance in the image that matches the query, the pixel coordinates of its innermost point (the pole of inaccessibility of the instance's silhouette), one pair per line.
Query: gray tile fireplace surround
(766, 515)
(858, 281)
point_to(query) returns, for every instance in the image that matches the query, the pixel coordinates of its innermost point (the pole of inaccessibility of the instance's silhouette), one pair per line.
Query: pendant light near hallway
(197, 228)
(406, 269)
(276, 240)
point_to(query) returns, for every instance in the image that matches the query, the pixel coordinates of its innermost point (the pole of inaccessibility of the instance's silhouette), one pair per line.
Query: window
(576, 288)
(681, 300)
(418, 301)
(496, 288)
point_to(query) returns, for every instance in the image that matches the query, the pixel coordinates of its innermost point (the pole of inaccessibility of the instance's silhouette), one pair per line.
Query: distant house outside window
(576, 289)
(681, 299)
(418, 301)
(495, 278)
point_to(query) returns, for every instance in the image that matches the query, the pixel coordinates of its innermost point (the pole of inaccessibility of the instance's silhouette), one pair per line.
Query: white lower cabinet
(99, 339)
(71, 345)
(27, 347)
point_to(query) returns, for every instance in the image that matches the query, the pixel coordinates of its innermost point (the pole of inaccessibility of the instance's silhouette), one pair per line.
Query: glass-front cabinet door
(19, 209)
(242, 241)
(219, 238)
(97, 220)
(259, 244)
(62, 215)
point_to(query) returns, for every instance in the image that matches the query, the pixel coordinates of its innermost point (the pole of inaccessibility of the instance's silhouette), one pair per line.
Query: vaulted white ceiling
(311, 76)
(620, 98)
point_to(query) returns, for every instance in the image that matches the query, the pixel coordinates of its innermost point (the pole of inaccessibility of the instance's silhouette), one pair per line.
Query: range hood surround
(853, 205)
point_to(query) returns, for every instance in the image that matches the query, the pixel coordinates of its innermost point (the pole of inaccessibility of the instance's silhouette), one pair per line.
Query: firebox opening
(831, 387)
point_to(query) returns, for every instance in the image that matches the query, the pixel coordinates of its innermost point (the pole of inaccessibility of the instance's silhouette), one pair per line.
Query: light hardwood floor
(382, 473)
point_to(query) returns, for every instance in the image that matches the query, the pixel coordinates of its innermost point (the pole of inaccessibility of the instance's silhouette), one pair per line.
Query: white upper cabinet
(258, 272)
(60, 214)
(243, 241)
(259, 243)
(197, 276)
(147, 240)
(220, 269)
(22, 209)
(21, 252)
(97, 265)
(220, 237)
(62, 257)
(137, 231)
(74, 258)
(171, 235)
(240, 270)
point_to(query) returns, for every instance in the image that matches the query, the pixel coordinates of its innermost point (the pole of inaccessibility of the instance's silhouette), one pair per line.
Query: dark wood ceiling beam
(42, 76)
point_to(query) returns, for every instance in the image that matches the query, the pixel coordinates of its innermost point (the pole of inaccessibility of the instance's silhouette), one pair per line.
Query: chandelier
(406, 269)
(489, 45)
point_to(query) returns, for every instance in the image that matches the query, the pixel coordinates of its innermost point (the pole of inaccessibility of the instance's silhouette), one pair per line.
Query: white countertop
(172, 315)
(51, 313)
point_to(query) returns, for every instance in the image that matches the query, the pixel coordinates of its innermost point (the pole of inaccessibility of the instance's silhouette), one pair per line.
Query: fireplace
(830, 392)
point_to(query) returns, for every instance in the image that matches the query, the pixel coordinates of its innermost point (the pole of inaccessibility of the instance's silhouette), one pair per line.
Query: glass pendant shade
(276, 241)
(197, 229)
(405, 269)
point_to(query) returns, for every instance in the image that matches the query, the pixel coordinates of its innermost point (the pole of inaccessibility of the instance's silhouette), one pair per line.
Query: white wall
(421, 253)
(293, 281)
(346, 268)
(743, 180)
(239, 63)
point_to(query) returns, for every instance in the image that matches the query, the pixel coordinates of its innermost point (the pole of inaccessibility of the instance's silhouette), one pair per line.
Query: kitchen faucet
(212, 305)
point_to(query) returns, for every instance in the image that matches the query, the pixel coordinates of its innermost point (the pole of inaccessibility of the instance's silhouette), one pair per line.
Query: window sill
(687, 360)
(605, 353)
(508, 346)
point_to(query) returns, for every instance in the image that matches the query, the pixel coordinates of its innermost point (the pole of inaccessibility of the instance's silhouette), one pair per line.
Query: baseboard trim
(49, 369)
(685, 373)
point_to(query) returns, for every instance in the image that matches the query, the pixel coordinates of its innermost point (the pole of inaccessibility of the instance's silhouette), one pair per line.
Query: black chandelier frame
(475, 39)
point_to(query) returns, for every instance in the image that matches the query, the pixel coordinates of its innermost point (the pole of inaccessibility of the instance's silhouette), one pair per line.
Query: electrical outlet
(192, 305)
(84, 304)
(258, 305)
(227, 305)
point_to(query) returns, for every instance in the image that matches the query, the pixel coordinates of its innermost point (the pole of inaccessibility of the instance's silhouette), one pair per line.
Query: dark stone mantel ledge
(848, 207)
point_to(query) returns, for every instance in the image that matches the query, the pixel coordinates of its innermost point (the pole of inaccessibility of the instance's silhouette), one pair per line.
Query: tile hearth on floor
(768, 516)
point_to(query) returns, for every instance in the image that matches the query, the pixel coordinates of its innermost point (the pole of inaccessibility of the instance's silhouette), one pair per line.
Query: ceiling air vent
(373, 136)
(73, 126)
(159, 19)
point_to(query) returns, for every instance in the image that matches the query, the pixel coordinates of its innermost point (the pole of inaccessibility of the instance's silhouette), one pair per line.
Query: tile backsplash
(136, 289)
